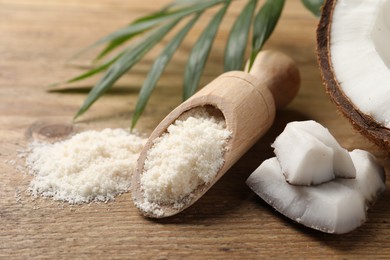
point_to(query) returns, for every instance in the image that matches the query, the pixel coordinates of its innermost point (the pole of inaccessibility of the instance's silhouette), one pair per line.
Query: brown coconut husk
(365, 124)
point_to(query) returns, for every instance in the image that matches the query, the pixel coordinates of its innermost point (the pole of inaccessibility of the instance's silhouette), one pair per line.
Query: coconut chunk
(304, 159)
(338, 206)
(342, 164)
(369, 185)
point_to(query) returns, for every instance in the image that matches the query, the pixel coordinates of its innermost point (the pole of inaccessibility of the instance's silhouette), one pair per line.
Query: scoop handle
(279, 73)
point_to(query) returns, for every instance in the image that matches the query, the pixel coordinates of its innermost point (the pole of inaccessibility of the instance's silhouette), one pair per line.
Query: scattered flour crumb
(90, 166)
(18, 195)
(188, 155)
(11, 162)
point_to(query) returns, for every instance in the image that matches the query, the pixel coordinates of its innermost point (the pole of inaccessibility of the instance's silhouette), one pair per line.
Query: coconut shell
(365, 124)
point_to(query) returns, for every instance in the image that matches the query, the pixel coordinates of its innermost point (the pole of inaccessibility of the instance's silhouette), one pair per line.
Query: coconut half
(353, 45)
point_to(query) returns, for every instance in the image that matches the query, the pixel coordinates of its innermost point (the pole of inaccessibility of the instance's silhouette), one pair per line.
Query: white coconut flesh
(343, 165)
(360, 55)
(338, 206)
(304, 160)
(309, 154)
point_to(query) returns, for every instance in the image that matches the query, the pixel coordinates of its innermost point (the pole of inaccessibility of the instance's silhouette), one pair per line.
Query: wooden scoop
(247, 102)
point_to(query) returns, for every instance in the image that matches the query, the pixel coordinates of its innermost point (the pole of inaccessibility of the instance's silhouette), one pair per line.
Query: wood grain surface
(37, 37)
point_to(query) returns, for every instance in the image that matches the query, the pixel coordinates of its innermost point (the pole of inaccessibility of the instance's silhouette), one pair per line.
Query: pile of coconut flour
(90, 166)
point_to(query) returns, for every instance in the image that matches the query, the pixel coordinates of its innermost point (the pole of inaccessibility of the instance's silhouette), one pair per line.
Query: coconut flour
(188, 155)
(90, 166)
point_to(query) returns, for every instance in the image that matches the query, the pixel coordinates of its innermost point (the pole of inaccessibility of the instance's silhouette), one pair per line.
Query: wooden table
(36, 39)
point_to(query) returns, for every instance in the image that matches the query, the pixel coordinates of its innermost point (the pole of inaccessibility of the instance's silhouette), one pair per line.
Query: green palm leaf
(123, 64)
(96, 70)
(90, 72)
(143, 24)
(158, 24)
(264, 24)
(158, 68)
(119, 41)
(199, 54)
(238, 38)
(313, 6)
